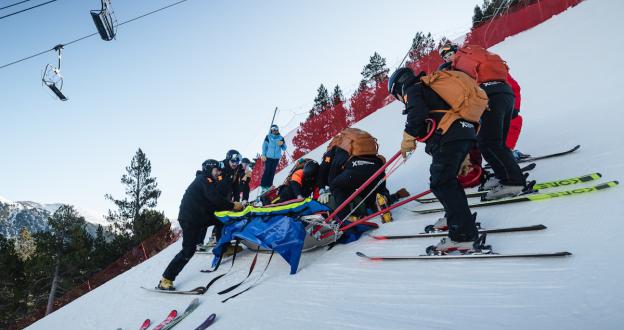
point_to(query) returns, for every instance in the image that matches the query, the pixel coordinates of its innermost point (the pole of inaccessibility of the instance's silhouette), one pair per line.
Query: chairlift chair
(52, 76)
(105, 22)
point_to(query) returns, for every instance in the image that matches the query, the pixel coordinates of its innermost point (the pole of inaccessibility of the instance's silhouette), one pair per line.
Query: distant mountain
(16, 215)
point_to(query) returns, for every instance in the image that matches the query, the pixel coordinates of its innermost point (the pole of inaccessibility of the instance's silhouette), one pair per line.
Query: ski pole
(359, 190)
(368, 217)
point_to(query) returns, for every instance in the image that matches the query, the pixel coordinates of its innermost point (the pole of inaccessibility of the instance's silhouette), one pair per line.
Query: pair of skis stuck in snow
(174, 318)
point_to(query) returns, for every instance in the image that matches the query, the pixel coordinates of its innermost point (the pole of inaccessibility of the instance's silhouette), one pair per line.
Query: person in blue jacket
(272, 148)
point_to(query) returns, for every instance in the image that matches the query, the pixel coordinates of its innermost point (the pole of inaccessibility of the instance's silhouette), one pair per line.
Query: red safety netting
(147, 249)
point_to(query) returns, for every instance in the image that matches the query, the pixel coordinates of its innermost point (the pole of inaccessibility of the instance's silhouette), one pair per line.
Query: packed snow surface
(565, 101)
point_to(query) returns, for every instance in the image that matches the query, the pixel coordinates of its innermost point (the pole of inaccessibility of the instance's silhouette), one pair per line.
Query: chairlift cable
(15, 4)
(27, 9)
(91, 35)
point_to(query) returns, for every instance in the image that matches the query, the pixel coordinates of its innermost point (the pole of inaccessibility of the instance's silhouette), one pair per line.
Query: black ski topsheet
(532, 197)
(532, 159)
(445, 233)
(537, 186)
(465, 256)
(197, 291)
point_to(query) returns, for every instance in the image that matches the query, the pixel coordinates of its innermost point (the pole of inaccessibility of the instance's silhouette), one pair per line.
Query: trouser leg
(445, 165)
(491, 138)
(190, 239)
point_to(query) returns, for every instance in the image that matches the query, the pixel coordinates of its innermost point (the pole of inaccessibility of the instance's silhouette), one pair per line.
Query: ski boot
(165, 285)
(382, 203)
(440, 225)
(489, 182)
(448, 246)
(503, 191)
(208, 246)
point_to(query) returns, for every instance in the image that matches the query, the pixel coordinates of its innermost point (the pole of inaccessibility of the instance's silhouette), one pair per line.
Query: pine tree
(321, 101)
(422, 44)
(141, 192)
(337, 96)
(13, 293)
(148, 223)
(478, 16)
(375, 72)
(69, 245)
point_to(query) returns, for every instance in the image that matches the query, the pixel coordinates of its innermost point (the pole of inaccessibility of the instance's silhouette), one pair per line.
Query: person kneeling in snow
(300, 184)
(201, 199)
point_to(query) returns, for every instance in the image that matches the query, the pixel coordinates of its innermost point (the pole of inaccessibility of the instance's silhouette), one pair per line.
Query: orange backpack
(466, 98)
(356, 142)
(480, 64)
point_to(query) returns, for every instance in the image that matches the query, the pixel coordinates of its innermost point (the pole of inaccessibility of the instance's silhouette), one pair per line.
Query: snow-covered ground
(569, 71)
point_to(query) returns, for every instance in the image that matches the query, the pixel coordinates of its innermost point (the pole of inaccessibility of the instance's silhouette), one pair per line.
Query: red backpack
(480, 64)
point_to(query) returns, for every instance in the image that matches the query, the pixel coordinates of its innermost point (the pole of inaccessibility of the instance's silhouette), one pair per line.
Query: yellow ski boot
(382, 203)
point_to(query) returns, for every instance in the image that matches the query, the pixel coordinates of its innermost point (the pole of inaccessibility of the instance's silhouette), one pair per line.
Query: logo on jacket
(361, 163)
(466, 124)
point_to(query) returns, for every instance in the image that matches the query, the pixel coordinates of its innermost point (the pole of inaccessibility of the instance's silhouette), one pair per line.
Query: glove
(244, 203)
(280, 143)
(408, 144)
(466, 166)
(324, 197)
(299, 197)
(263, 157)
(238, 206)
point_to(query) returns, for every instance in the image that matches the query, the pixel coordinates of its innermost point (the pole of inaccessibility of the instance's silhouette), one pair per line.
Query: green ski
(537, 186)
(532, 197)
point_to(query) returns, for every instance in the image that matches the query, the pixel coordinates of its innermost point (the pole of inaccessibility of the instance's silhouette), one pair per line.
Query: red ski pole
(368, 217)
(359, 190)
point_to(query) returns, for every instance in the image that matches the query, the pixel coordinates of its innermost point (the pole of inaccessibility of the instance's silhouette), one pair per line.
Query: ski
(146, 324)
(207, 323)
(445, 233)
(172, 315)
(531, 159)
(532, 197)
(465, 256)
(191, 307)
(197, 290)
(537, 186)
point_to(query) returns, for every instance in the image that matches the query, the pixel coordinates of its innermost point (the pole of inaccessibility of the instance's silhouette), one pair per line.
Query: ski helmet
(233, 156)
(310, 169)
(209, 164)
(398, 80)
(246, 161)
(274, 128)
(448, 48)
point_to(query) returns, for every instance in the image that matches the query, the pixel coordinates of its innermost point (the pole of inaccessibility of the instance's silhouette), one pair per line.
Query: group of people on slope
(454, 141)
(218, 186)
(452, 146)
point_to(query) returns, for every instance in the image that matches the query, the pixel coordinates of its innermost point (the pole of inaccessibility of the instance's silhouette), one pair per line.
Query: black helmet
(233, 156)
(209, 164)
(398, 80)
(310, 169)
(246, 161)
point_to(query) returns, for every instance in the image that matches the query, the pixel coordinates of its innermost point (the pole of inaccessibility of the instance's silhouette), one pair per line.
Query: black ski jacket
(334, 161)
(420, 100)
(201, 199)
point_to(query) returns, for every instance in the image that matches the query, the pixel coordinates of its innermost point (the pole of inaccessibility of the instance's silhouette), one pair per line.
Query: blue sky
(185, 84)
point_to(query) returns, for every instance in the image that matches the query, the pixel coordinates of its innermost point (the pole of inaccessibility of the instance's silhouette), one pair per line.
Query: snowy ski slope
(569, 69)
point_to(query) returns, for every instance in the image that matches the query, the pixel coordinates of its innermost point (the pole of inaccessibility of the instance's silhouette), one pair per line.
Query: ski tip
(380, 238)
(360, 254)
(540, 227)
